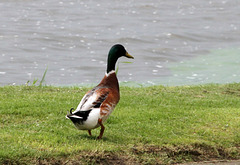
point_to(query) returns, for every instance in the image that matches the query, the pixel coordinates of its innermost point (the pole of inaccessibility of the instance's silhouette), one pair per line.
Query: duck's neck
(111, 62)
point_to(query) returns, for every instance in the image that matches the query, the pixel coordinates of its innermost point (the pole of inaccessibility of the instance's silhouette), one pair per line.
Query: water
(174, 42)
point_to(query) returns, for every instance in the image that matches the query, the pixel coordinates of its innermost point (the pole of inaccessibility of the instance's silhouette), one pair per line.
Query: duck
(98, 103)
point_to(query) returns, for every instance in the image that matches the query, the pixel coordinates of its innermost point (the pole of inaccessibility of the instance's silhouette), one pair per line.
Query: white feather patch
(75, 116)
(85, 106)
(104, 111)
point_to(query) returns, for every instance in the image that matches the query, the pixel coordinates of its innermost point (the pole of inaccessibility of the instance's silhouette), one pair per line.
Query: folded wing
(93, 99)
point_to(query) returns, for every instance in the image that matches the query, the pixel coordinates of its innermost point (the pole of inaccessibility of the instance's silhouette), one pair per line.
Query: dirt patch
(181, 154)
(147, 154)
(232, 92)
(100, 158)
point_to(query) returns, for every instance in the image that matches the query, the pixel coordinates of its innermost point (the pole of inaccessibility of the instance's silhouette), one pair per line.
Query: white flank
(92, 120)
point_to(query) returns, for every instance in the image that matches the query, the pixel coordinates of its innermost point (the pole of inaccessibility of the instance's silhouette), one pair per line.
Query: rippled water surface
(174, 42)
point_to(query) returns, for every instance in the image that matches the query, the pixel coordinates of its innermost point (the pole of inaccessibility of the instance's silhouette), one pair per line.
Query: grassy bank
(150, 125)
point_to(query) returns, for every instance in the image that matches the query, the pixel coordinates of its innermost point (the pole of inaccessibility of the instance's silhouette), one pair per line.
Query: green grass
(149, 125)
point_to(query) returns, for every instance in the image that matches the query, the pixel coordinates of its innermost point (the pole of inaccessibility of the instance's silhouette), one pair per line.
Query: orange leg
(102, 129)
(89, 132)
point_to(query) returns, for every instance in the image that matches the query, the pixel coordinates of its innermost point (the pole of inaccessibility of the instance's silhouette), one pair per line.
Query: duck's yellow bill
(128, 55)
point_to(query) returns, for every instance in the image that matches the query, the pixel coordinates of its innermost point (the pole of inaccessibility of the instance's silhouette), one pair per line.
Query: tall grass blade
(117, 69)
(126, 62)
(34, 82)
(43, 77)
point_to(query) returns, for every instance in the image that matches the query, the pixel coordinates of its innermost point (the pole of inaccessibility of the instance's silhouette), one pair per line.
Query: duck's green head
(116, 52)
